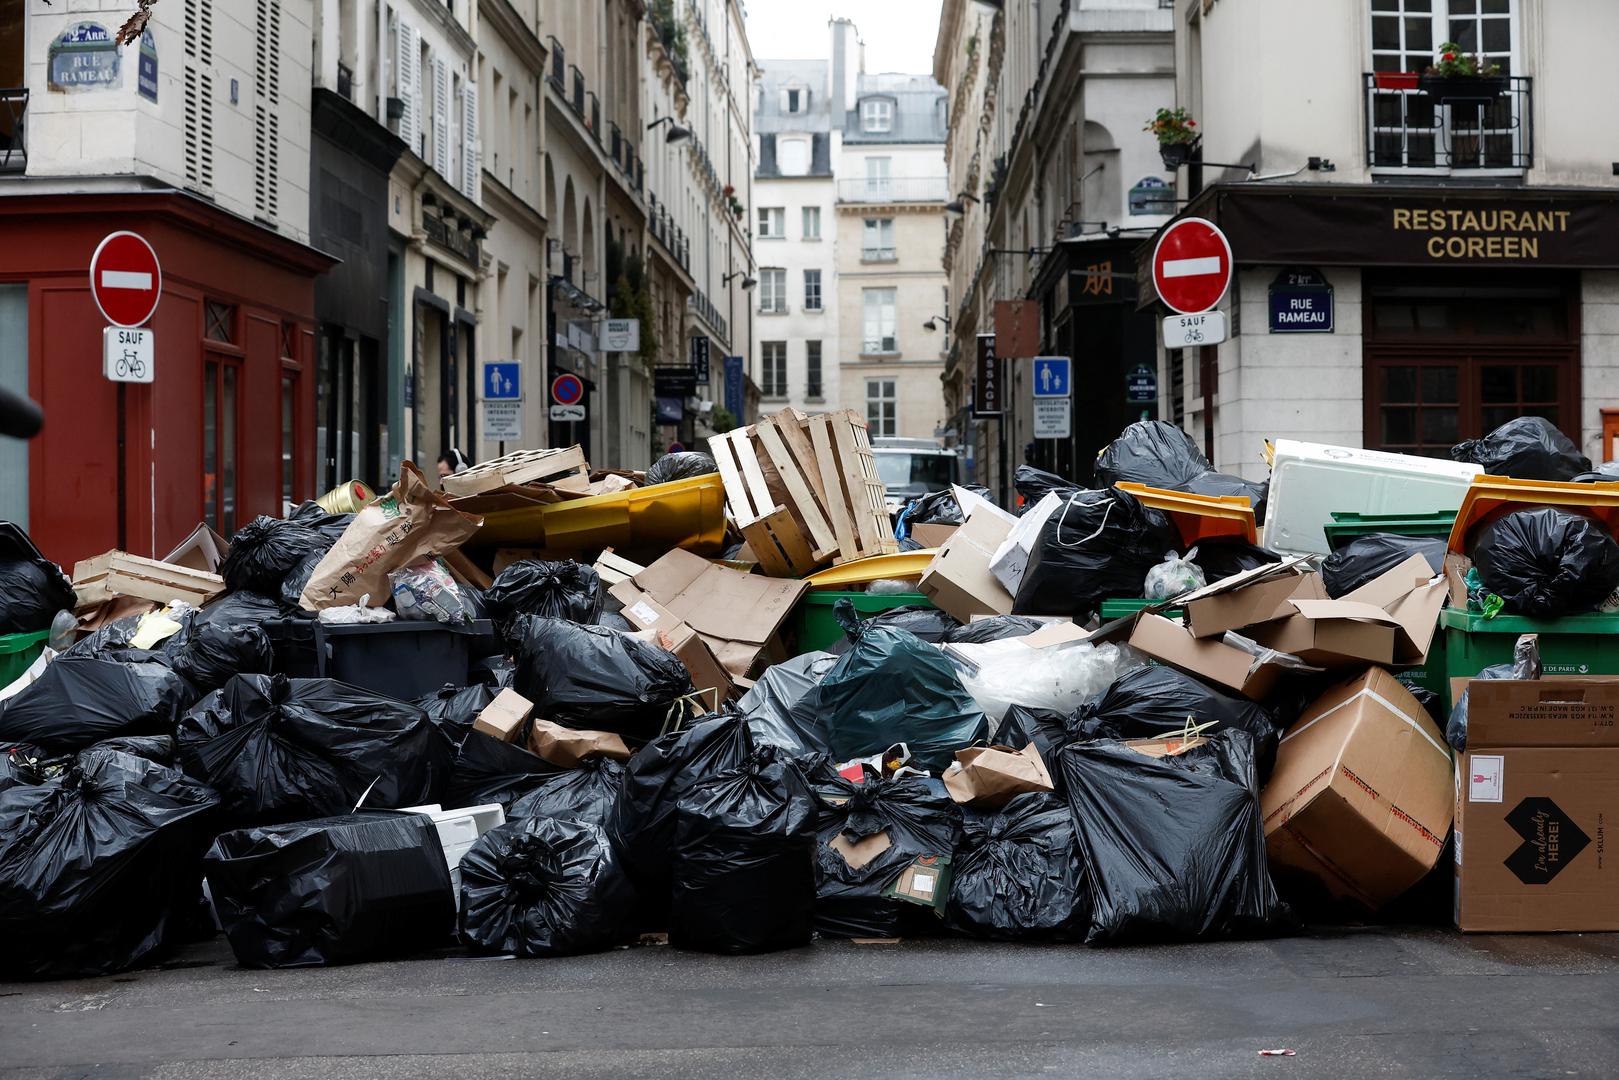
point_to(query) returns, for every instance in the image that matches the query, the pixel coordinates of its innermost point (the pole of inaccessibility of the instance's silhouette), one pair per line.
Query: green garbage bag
(893, 687)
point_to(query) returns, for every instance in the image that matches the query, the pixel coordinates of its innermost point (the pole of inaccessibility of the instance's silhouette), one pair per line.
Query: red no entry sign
(567, 390)
(1191, 266)
(125, 279)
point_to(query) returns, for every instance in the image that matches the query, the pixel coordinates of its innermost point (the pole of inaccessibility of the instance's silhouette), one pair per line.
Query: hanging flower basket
(1177, 154)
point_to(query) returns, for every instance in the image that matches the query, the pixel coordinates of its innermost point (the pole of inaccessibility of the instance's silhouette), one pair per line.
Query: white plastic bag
(425, 590)
(1000, 674)
(1174, 576)
(1011, 559)
(356, 613)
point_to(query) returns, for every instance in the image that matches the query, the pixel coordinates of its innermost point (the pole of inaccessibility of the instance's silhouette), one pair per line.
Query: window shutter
(441, 117)
(469, 142)
(407, 45)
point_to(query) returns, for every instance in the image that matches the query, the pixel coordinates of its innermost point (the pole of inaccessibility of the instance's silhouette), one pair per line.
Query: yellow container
(686, 514)
(1492, 496)
(903, 566)
(1200, 517)
(347, 498)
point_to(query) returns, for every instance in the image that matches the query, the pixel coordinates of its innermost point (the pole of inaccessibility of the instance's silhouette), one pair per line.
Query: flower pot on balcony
(1463, 89)
(1176, 154)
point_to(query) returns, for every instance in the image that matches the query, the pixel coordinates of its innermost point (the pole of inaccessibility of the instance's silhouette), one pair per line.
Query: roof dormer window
(877, 115)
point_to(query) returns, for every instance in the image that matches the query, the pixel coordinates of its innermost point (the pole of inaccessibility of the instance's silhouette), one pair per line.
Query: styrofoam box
(458, 830)
(1308, 481)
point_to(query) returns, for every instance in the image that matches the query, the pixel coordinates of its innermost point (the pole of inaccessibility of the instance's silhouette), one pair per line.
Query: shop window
(219, 442)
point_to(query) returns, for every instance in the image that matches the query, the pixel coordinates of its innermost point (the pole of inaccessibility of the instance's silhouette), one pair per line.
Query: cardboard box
(1362, 794)
(203, 550)
(1389, 620)
(958, 580)
(989, 777)
(1250, 598)
(568, 747)
(1208, 658)
(1536, 790)
(736, 613)
(504, 717)
(932, 536)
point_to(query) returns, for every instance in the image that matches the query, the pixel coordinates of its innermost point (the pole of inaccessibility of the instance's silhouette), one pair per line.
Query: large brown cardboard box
(1362, 793)
(1389, 620)
(958, 580)
(1250, 598)
(1170, 643)
(1537, 789)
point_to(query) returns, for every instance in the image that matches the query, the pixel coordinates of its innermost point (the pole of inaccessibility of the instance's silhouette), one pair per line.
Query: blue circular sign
(567, 390)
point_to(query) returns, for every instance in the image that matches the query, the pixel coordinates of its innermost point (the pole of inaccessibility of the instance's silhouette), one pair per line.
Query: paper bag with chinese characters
(989, 776)
(411, 521)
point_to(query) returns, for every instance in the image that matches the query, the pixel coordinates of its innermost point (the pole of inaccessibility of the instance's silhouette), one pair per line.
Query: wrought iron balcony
(13, 129)
(615, 143)
(593, 115)
(897, 189)
(879, 254)
(577, 97)
(559, 63)
(1415, 123)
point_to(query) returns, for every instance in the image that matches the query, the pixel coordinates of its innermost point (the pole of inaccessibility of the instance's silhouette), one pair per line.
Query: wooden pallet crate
(563, 464)
(804, 491)
(117, 573)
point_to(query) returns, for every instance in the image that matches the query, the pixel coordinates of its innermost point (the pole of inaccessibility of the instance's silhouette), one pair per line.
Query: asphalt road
(1371, 1002)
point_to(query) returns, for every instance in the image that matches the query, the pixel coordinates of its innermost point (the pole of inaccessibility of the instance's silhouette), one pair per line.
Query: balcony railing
(615, 143)
(593, 115)
(879, 254)
(345, 81)
(1408, 128)
(559, 63)
(879, 346)
(898, 189)
(13, 129)
(577, 97)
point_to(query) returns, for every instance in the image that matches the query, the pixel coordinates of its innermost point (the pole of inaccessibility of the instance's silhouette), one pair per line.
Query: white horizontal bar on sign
(1191, 267)
(125, 279)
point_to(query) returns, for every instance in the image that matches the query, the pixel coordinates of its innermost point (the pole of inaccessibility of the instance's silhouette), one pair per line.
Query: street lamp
(675, 133)
(958, 205)
(933, 324)
(748, 281)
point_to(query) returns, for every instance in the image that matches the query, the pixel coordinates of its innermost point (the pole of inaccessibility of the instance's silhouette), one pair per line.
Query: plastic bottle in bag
(1174, 576)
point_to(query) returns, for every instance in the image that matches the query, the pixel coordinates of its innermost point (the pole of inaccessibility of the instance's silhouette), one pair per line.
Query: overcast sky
(899, 34)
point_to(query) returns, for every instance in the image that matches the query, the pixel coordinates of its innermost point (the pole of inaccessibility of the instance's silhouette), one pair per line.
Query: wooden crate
(520, 467)
(804, 491)
(117, 573)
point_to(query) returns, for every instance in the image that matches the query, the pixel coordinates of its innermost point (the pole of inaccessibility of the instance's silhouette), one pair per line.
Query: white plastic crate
(458, 830)
(1308, 481)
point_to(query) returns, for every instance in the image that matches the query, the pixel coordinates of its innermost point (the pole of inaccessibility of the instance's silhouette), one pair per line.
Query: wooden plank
(795, 434)
(465, 570)
(849, 467)
(518, 467)
(723, 449)
(121, 584)
(820, 431)
(763, 544)
(758, 490)
(803, 499)
(875, 489)
(779, 534)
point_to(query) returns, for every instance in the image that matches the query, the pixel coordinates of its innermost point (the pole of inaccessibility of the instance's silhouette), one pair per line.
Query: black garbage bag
(1018, 874)
(588, 792)
(655, 780)
(487, 770)
(331, 526)
(1152, 702)
(208, 653)
(242, 606)
(544, 887)
(32, 588)
(993, 628)
(1219, 483)
(297, 579)
(1173, 846)
(265, 550)
(744, 859)
(681, 465)
(861, 891)
(1100, 544)
(280, 749)
(497, 672)
(892, 687)
(1220, 559)
(556, 590)
(79, 700)
(1366, 557)
(928, 623)
(782, 707)
(594, 678)
(1048, 729)
(452, 709)
(1151, 452)
(1033, 484)
(100, 862)
(336, 890)
(158, 749)
(939, 507)
(1528, 448)
(1546, 562)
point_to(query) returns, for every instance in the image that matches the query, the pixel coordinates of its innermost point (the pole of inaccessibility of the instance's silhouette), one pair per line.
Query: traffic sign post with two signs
(1191, 269)
(567, 398)
(126, 283)
(1053, 397)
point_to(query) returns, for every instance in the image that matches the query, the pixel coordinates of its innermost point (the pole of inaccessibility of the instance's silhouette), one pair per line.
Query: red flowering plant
(1172, 126)
(1453, 63)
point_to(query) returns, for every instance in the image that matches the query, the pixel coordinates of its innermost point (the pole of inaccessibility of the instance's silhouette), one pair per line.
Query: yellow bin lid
(903, 565)
(1199, 517)
(1491, 496)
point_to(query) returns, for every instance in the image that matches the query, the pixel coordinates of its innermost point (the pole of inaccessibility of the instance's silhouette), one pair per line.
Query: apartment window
(879, 321)
(792, 156)
(794, 100)
(877, 115)
(772, 291)
(775, 369)
(879, 177)
(219, 441)
(812, 223)
(877, 244)
(812, 370)
(880, 407)
(772, 222)
(812, 290)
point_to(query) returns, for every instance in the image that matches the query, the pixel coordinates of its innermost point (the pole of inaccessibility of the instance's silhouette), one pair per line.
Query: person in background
(450, 462)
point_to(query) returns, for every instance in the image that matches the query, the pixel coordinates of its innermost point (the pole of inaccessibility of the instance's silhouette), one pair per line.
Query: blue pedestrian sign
(1051, 377)
(502, 381)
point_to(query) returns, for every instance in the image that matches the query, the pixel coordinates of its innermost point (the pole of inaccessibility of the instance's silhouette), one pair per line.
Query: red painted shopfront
(224, 432)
